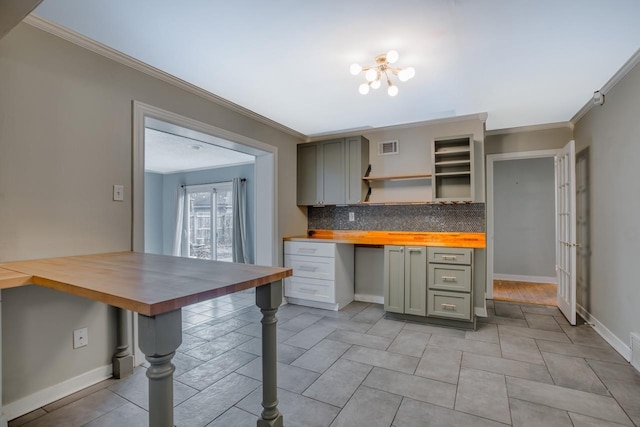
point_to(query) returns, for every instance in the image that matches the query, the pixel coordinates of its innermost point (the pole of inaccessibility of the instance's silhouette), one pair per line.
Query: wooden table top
(145, 283)
(402, 238)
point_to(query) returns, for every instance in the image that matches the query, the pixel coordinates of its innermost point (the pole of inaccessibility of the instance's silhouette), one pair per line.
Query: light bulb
(392, 56)
(403, 75)
(371, 74)
(393, 90)
(375, 84)
(355, 69)
(410, 71)
(363, 88)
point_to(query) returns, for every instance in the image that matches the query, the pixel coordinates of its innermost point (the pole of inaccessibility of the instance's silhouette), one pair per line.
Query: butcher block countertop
(400, 238)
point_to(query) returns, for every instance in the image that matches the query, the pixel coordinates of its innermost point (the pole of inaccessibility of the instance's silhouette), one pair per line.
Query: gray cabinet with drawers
(450, 282)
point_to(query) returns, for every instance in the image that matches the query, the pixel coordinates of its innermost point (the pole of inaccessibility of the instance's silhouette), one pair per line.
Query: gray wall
(153, 230)
(165, 215)
(517, 141)
(65, 140)
(612, 134)
(524, 217)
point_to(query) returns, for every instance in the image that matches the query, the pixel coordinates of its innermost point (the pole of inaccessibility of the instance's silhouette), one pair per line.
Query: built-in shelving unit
(453, 169)
(396, 177)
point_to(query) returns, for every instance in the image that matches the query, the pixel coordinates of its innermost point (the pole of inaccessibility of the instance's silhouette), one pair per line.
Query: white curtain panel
(240, 251)
(177, 241)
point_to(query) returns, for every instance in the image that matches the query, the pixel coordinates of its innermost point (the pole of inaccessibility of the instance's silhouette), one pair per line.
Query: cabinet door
(333, 172)
(357, 164)
(394, 279)
(308, 174)
(415, 280)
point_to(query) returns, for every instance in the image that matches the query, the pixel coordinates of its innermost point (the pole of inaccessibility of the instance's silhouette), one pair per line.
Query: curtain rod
(209, 183)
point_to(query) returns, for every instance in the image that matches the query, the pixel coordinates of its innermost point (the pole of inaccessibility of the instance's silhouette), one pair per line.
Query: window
(208, 222)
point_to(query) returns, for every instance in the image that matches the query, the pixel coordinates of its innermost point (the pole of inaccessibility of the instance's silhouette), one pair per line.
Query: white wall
(524, 217)
(612, 133)
(65, 139)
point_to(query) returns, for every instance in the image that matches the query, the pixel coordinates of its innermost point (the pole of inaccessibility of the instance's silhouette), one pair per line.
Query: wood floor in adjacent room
(525, 292)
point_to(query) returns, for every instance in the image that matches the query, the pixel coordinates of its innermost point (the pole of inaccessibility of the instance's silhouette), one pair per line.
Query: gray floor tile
(286, 353)
(382, 359)
(357, 338)
(136, 389)
(210, 403)
(585, 335)
(439, 363)
(289, 377)
(478, 347)
(623, 382)
(184, 363)
(322, 355)
(541, 321)
(371, 314)
(368, 408)
(520, 348)
(499, 320)
(527, 414)
(213, 370)
(484, 394)
(81, 411)
(410, 343)
(348, 325)
(533, 333)
(80, 394)
(128, 415)
(211, 349)
(355, 307)
(190, 342)
(310, 336)
(338, 383)
(194, 318)
(512, 368)
(411, 386)
(386, 328)
(235, 417)
(573, 372)
(486, 332)
(300, 322)
(297, 410)
(505, 309)
(413, 413)
(538, 309)
(577, 401)
(603, 354)
(584, 421)
(30, 416)
(434, 330)
(255, 330)
(209, 332)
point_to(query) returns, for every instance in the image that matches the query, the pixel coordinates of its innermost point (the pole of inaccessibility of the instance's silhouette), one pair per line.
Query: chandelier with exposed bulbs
(375, 73)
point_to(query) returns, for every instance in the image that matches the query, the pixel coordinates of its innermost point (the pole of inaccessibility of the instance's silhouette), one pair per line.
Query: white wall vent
(387, 147)
(635, 350)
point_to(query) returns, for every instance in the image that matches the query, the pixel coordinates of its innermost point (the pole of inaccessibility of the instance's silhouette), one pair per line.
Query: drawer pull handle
(308, 291)
(449, 257)
(448, 306)
(449, 279)
(307, 268)
(415, 249)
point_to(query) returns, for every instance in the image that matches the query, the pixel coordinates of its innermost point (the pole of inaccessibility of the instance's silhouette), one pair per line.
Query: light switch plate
(80, 337)
(352, 216)
(118, 193)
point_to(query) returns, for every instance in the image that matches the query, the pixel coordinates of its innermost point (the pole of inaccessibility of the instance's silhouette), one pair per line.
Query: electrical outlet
(118, 193)
(352, 216)
(80, 337)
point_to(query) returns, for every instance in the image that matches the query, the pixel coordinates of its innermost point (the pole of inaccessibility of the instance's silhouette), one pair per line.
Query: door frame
(266, 188)
(491, 159)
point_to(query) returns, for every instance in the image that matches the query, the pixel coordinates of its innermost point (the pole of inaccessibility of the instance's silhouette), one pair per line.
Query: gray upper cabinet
(453, 169)
(330, 172)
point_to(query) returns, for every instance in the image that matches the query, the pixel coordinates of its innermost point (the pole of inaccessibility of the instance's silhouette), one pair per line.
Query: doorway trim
(491, 159)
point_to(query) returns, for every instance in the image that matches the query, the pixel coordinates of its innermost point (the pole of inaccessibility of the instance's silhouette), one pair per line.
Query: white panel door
(566, 231)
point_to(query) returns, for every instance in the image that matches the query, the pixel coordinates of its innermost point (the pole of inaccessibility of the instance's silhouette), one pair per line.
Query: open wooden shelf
(454, 173)
(396, 177)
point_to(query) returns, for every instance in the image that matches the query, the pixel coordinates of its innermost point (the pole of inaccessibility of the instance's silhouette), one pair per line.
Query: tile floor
(523, 366)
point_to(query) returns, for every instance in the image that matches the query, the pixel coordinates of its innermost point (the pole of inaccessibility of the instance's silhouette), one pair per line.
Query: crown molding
(117, 56)
(319, 137)
(531, 128)
(619, 75)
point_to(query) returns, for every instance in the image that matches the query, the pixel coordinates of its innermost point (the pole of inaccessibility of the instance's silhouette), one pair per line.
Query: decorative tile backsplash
(429, 217)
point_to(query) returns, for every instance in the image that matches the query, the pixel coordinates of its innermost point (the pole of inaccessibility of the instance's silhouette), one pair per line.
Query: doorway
(521, 227)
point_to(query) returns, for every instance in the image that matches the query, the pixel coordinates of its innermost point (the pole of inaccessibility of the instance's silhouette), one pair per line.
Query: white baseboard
(51, 394)
(604, 332)
(377, 299)
(528, 279)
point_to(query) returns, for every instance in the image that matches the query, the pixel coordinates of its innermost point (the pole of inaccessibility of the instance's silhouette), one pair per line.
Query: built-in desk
(157, 287)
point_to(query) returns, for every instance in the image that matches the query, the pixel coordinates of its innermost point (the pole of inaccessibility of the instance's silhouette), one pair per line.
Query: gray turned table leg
(269, 298)
(3, 418)
(123, 359)
(160, 337)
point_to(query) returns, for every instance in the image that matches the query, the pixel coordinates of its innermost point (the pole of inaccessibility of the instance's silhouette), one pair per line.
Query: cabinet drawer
(314, 267)
(448, 277)
(451, 305)
(310, 249)
(450, 255)
(310, 289)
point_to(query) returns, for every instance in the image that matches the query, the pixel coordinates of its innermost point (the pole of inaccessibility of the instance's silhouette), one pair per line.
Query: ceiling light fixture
(374, 73)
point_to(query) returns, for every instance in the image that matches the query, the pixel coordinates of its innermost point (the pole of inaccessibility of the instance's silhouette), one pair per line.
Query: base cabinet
(450, 283)
(405, 279)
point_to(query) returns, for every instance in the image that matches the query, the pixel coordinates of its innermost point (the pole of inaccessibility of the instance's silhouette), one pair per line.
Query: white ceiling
(524, 62)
